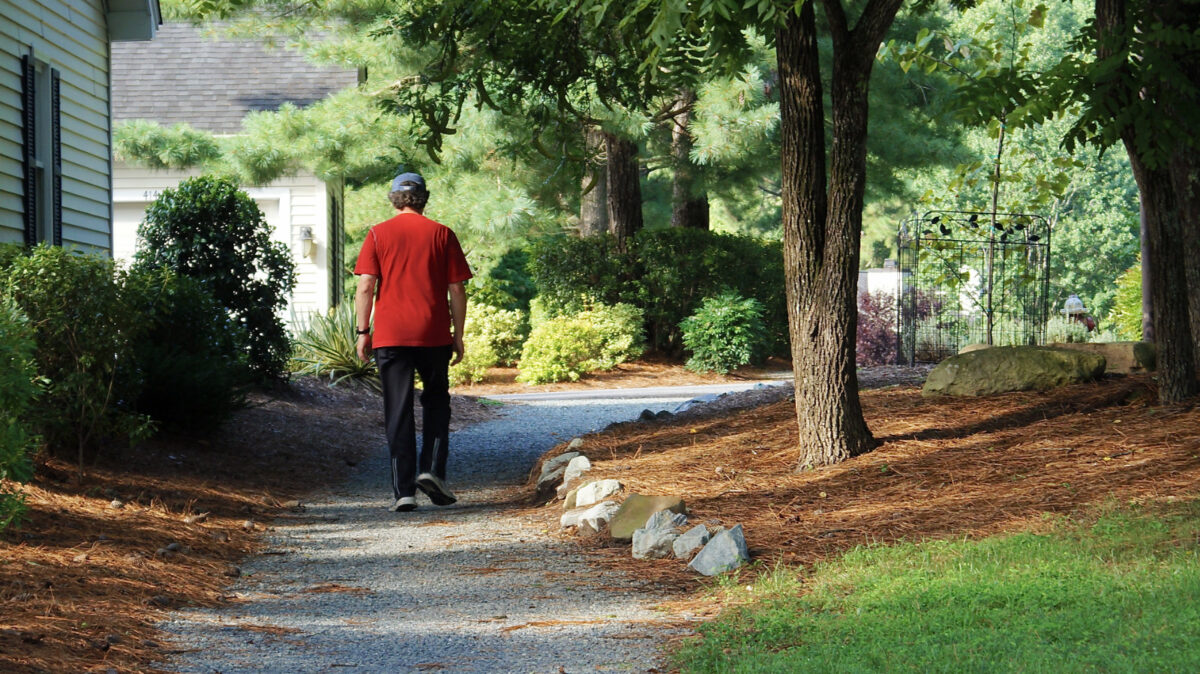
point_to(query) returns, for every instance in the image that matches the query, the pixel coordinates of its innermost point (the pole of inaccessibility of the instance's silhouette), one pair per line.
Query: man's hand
(459, 350)
(364, 347)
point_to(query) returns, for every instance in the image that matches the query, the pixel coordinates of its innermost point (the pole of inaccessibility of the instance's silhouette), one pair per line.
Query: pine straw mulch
(946, 467)
(84, 581)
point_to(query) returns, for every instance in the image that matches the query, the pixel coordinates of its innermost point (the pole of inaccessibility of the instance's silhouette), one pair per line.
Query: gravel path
(350, 586)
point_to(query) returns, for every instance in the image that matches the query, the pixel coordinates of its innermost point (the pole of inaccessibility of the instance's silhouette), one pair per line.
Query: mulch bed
(946, 467)
(83, 582)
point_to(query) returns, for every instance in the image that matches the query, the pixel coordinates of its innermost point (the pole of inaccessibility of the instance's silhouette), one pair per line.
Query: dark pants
(396, 367)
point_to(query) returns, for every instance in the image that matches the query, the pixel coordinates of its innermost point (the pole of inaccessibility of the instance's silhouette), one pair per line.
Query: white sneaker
(435, 489)
(404, 504)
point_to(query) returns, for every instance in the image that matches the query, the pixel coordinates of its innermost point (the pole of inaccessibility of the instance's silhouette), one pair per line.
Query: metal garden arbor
(971, 277)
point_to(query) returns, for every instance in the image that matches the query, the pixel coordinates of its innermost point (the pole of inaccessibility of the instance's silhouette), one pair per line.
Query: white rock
(653, 543)
(578, 466)
(596, 516)
(665, 519)
(595, 492)
(725, 552)
(690, 541)
(575, 443)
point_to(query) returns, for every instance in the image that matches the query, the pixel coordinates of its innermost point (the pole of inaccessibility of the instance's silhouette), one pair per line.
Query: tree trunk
(821, 238)
(1185, 176)
(1169, 297)
(688, 208)
(1165, 237)
(624, 189)
(593, 199)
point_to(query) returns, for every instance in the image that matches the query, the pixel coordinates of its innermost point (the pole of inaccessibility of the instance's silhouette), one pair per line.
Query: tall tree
(1142, 90)
(822, 186)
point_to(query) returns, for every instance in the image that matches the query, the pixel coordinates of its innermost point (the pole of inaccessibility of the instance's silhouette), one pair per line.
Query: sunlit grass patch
(1116, 592)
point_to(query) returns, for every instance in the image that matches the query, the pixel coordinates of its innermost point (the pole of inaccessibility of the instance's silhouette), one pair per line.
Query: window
(42, 149)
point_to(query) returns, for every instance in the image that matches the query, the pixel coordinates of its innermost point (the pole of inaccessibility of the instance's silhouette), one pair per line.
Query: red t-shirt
(415, 260)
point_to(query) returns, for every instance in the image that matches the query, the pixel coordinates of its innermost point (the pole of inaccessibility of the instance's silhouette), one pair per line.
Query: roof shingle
(211, 84)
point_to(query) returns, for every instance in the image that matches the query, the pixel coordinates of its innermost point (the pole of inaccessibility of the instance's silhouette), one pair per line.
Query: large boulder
(636, 510)
(1011, 368)
(1119, 357)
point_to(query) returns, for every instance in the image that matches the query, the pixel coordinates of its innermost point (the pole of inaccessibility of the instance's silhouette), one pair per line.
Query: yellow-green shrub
(565, 347)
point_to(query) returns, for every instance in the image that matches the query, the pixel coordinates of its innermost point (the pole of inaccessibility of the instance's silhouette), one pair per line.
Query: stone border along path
(473, 587)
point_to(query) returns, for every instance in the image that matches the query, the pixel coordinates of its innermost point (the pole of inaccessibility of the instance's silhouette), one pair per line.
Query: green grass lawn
(1117, 593)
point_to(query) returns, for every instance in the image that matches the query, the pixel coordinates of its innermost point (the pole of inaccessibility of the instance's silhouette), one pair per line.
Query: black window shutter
(29, 140)
(56, 139)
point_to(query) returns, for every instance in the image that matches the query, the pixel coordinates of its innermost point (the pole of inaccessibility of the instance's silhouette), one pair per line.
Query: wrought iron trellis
(969, 277)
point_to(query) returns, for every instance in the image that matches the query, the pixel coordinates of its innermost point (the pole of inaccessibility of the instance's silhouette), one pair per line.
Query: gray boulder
(558, 462)
(553, 471)
(575, 443)
(725, 552)
(1011, 368)
(665, 519)
(595, 492)
(690, 541)
(637, 509)
(653, 543)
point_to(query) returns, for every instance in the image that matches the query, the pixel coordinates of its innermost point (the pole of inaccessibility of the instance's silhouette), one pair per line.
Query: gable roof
(211, 84)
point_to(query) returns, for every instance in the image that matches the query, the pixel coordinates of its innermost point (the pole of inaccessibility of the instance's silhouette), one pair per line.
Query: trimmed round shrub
(192, 370)
(17, 391)
(565, 347)
(209, 230)
(725, 333)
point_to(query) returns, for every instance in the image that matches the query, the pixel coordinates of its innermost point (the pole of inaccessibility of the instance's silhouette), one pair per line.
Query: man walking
(416, 263)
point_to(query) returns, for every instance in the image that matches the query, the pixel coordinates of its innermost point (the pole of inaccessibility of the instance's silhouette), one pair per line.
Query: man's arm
(458, 315)
(364, 301)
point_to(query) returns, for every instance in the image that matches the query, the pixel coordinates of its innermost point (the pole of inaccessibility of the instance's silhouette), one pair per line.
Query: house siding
(71, 36)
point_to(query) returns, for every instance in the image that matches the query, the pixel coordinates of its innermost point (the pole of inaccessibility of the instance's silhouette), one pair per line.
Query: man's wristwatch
(362, 331)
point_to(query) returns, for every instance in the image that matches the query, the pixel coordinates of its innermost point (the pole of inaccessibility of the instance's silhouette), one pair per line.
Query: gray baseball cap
(414, 180)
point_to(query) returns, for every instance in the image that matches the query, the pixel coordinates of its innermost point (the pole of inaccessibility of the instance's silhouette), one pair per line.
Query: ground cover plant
(1114, 592)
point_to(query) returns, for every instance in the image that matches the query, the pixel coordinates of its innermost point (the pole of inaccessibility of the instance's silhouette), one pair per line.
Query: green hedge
(666, 273)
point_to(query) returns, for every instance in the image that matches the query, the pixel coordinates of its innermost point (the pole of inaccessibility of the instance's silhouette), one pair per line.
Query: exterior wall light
(308, 245)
